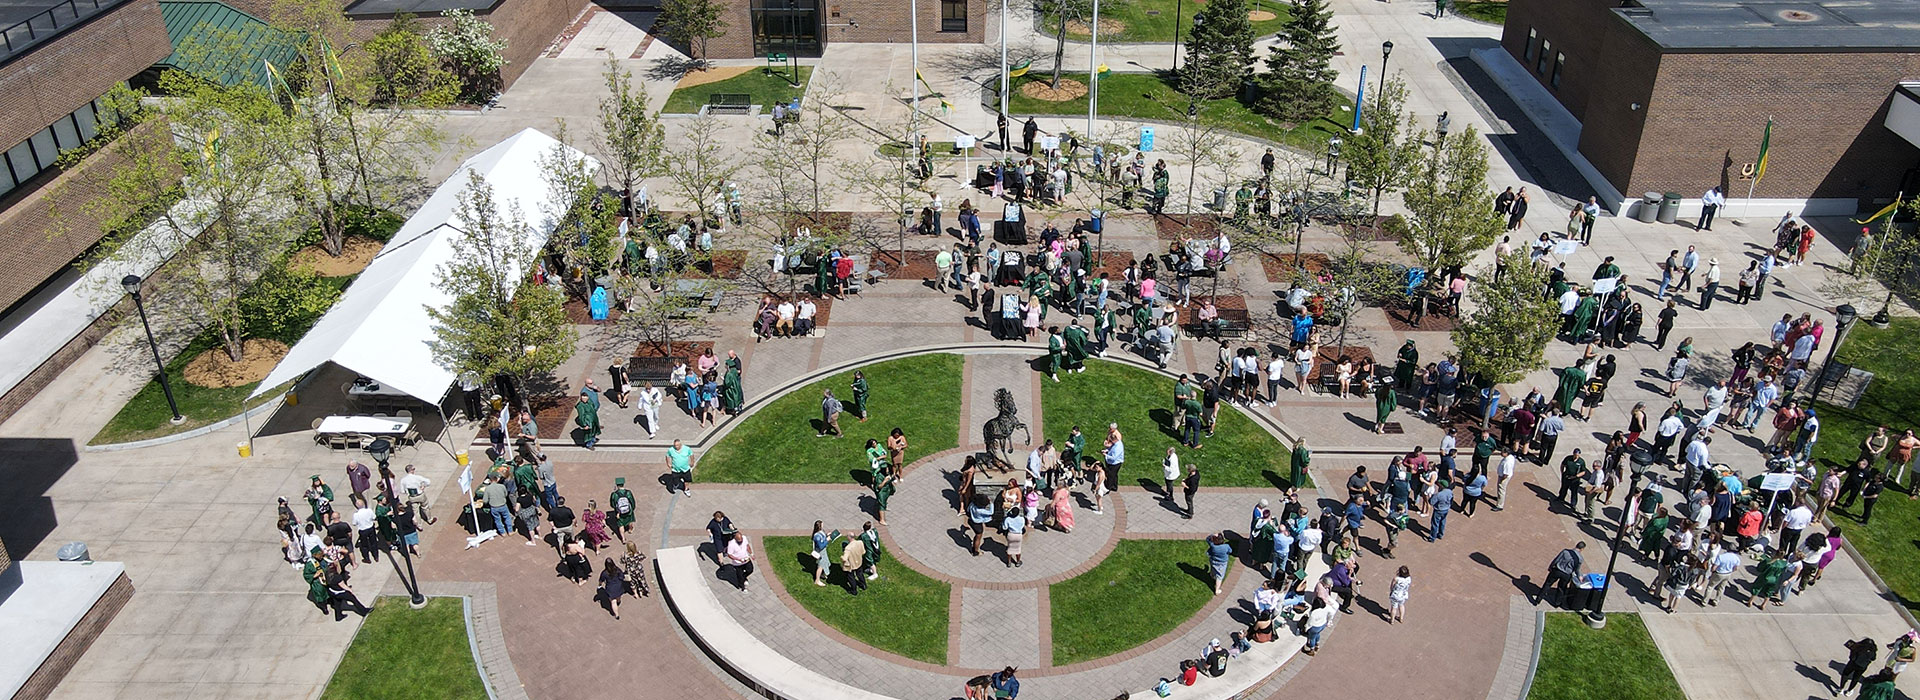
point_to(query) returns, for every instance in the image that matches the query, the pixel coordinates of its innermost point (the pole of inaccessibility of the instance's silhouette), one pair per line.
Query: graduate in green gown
(860, 395)
(1654, 534)
(1056, 350)
(1404, 368)
(1076, 447)
(871, 538)
(823, 277)
(885, 480)
(1571, 379)
(1583, 314)
(731, 395)
(1302, 458)
(1076, 340)
(586, 416)
(320, 499)
(1384, 401)
(622, 502)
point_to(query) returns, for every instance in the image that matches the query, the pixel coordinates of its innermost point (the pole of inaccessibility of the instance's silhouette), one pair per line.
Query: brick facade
(45, 226)
(528, 26)
(881, 21)
(55, 78)
(1701, 114)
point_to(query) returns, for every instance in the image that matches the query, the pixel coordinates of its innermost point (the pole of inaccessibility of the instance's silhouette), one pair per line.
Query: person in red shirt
(843, 271)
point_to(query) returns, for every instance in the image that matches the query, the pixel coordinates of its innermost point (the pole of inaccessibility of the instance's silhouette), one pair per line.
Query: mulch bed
(727, 264)
(1223, 302)
(918, 266)
(579, 314)
(1280, 268)
(1375, 232)
(688, 349)
(1400, 317)
(1174, 227)
(820, 221)
(554, 416)
(1114, 264)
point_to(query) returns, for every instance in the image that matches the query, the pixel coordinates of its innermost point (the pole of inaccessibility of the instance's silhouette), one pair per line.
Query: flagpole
(1005, 80)
(1759, 166)
(913, 12)
(1093, 68)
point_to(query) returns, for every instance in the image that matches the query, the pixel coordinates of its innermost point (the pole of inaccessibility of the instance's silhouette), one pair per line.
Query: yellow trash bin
(246, 450)
(460, 457)
(293, 398)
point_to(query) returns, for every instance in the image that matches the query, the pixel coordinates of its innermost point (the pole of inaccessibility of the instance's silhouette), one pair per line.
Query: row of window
(1538, 51)
(28, 158)
(953, 15)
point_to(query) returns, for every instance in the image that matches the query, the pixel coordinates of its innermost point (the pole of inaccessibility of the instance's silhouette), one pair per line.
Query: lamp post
(410, 581)
(1641, 461)
(1880, 318)
(1843, 318)
(1178, 5)
(132, 284)
(1386, 51)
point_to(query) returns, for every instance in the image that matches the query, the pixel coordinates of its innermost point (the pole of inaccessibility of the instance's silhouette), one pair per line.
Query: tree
(1505, 336)
(631, 138)
(1450, 214)
(1204, 144)
(585, 220)
(1219, 49)
(220, 155)
(497, 321)
(1379, 156)
(405, 70)
(468, 46)
(1879, 264)
(893, 179)
(692, 23)
(796, 167)
(1063, 12)
(1354, 279)
(1298, 84)
(699, 165)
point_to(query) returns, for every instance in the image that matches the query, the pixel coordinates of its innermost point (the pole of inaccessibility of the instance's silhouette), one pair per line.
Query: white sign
(1777, 482)
(1606, 286)
(1566, 248)
(1049, 143)
(963, 141)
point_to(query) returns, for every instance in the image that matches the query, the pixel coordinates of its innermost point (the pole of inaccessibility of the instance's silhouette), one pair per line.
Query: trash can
(1219, 199)
(245, 449)
(1669, 207)
(1649, 205)
(73, 551)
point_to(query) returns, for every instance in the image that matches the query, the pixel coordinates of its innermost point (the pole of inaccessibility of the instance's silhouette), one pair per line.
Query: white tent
(380, 327)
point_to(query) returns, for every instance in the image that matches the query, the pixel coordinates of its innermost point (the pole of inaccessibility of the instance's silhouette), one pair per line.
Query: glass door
(790, 27)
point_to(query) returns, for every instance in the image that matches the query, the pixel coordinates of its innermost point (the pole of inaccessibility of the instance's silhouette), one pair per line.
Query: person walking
(1397, 595)
(1517, 213)
(413, 488)
(1861, 654)
(680, 466)
(623, 502)
(613, 584)
(1219, 554)
(830, 409)
(1711, 286)
(1015, 525)
(739, 555)
(1688, 264)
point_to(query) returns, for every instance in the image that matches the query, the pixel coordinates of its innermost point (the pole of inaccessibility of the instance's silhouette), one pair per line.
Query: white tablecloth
(365, 425)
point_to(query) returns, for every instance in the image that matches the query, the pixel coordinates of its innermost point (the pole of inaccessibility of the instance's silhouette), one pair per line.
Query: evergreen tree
(1219, 48)
(1298, 85)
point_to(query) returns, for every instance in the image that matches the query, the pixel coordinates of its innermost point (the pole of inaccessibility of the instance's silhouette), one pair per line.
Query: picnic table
(696, 292)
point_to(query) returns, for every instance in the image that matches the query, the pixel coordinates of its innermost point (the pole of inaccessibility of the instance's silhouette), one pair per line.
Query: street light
(1177, 6)
(1641, 461)
(132, 284)
(1386, 51)
(1843, 318)
(410, 580)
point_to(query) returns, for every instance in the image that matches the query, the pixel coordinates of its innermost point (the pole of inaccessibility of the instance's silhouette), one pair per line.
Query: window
(65, 133)
(1559, 64)
(1546, 49)
(20, 161)
(28, 158)
(953, 15)
(85, 120)
(1526, 54)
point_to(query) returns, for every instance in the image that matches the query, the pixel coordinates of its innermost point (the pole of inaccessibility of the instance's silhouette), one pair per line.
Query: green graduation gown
(1054, 352)
(1076, 339)
(823, 276)
(1384, 401)
(1302, 458)
(587, 417)
(1571, 379)
(621, 518)
(1408, 363)
(1583, 317)
(731, 396)
(871, 538)
(860, 396)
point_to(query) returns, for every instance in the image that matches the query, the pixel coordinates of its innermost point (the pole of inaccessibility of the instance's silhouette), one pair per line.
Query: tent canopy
(380, 327)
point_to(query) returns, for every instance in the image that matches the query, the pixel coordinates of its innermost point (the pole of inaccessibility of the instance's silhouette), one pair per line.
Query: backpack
(1164, 689)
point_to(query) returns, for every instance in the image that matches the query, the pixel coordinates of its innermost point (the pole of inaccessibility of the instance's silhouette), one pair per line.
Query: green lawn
(903, 611)
(1492, 11)
(1616, 663)
(146, 416)
(1143, 590)
(1893, 399)
(1154, 20)
(919, 394)
(1148, 96)
(766, 89)
(1240, 453)
(405, 653)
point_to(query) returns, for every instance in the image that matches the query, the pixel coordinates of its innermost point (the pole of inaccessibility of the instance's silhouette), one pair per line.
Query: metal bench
(729, 103)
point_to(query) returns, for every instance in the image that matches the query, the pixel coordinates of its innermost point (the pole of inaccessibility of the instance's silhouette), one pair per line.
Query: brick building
(1673, 95)
(804, 27)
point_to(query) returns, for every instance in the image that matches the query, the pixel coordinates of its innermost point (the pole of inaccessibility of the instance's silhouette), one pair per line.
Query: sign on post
(1146, 139)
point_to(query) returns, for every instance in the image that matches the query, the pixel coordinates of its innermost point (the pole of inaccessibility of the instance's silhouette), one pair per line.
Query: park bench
(650, 369)
(729, 103)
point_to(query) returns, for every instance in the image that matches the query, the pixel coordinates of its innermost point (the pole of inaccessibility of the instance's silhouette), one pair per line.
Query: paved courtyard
(218, 614)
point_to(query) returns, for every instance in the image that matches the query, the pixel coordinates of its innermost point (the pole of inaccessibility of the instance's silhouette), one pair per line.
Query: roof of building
(26, 23)
(217, 42)
(1777, 25)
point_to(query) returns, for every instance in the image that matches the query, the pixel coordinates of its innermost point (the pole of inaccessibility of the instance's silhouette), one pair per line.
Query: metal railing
(49, 23)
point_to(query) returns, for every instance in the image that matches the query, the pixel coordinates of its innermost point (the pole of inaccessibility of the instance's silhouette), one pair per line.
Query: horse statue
(999, 430)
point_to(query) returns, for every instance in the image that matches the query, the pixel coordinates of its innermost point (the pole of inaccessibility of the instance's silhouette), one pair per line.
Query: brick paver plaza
(218, 614)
